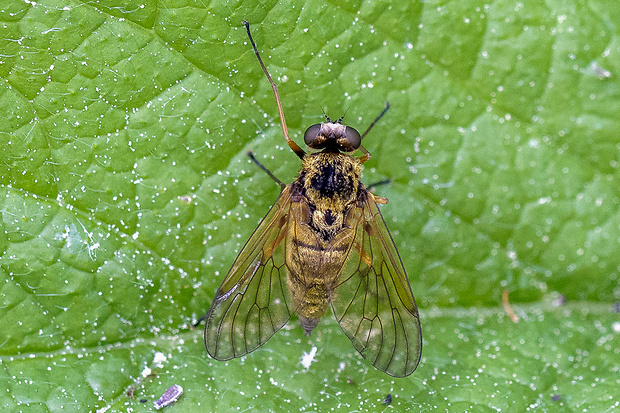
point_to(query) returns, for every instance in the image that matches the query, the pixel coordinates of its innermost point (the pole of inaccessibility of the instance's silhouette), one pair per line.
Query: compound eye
(311, 133)
(353, 138)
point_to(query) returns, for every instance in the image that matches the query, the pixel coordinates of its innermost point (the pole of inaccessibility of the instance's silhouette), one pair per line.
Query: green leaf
(126, 194)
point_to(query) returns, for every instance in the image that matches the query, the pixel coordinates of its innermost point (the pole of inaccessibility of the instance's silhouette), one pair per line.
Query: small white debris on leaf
(159, 359)
(308, 358)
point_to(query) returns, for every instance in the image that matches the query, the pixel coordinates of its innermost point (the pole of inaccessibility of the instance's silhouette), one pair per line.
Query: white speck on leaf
(159, 359)
(308, 358)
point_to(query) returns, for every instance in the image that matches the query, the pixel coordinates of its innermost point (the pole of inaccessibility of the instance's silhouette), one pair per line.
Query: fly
(322, 244)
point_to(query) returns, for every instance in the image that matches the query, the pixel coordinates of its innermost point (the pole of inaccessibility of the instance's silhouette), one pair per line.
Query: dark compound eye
(311, 133)
(353, 138)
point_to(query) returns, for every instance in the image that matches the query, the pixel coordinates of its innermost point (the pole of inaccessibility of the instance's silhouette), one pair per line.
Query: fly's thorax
(331, 179)
(330, 182)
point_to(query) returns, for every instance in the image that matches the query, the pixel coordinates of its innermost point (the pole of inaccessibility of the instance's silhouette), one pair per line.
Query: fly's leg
(366, 155)
(267, 171)
(291, 143)
(374, 185)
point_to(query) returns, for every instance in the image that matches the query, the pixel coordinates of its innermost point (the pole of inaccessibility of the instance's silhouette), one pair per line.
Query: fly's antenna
(298, 151)
(366, 153)
(343, 115)
(325, 114)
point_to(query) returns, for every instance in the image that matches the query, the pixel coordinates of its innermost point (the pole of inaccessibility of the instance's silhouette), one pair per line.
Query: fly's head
(333, 136)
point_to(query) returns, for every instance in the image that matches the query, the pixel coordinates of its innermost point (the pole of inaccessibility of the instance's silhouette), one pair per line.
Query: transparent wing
(373, 301)
(253, 301)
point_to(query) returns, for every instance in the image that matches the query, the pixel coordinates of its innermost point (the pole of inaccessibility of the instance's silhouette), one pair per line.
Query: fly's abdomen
(306, 282)
(313, 302)
(313, 266)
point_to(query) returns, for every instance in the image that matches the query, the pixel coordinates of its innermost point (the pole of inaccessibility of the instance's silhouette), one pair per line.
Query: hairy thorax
(330, 182)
